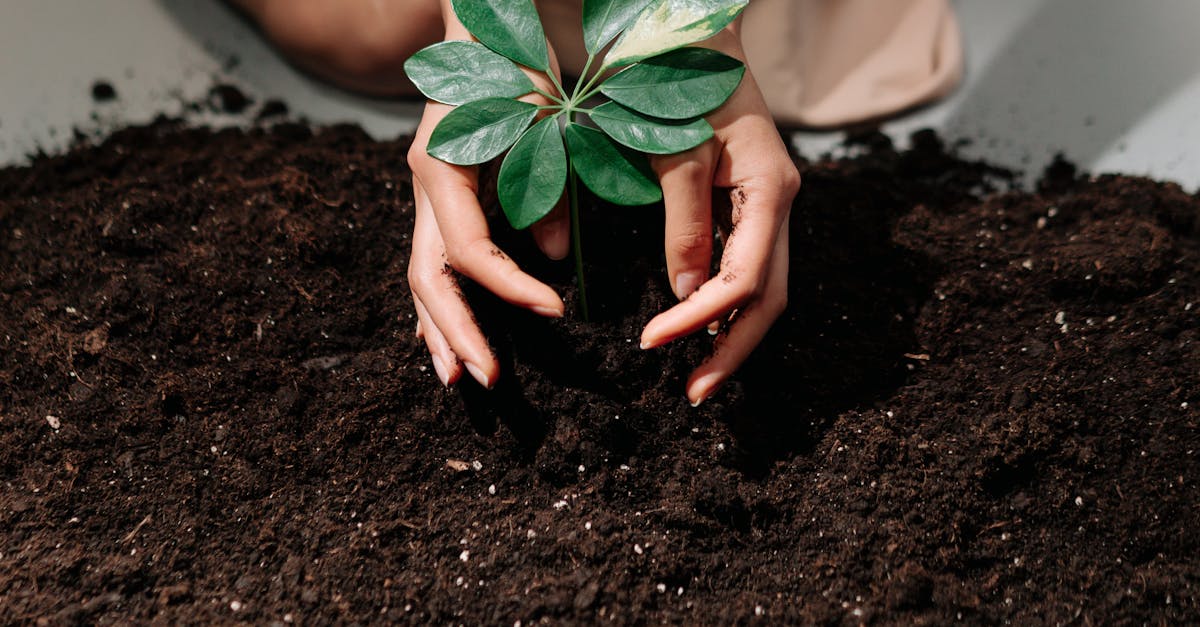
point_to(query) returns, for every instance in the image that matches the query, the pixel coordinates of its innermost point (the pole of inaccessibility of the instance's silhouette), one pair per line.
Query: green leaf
(605, 19)
(612, 171)
(533, 174)
(669, 24)
(481, 130)
(677, 85)
(510, 27)
(653, 135)
(457, 72)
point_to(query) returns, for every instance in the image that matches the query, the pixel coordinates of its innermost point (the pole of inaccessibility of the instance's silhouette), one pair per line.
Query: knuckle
(690, 242)
(465, 256)
(691, 166)
(419, 282)
(693, 170)
(790, 180)
(417, 159)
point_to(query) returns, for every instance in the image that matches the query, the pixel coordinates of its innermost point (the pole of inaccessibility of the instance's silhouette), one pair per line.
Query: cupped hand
(748, 160)
(451, 238)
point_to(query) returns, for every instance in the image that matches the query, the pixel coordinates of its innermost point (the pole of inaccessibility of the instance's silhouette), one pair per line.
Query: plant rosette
(654, 103)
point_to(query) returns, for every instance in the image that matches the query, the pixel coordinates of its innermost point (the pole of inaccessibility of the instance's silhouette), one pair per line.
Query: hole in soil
(841, 345)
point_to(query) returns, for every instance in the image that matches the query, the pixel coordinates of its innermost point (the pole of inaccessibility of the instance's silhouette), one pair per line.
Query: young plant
(655, 105)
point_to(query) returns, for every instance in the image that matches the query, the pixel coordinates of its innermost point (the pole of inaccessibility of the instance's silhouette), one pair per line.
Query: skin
(746, 160)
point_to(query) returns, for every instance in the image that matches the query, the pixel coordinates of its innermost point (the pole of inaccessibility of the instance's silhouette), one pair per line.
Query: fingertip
(455, 374)
(688, 282)
(648, 339)
(554, 244)
(552, 234)
(439, 368)
(485, 377)
(702, 386)
(550, 304)
(654, 334)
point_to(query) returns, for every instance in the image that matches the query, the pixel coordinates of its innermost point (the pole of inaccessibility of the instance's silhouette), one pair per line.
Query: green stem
(576, 234)
(577, 240)
(592, 91)
(558, 85)
(548, 96)
(589, 91)
(581, 95)
(582, 77)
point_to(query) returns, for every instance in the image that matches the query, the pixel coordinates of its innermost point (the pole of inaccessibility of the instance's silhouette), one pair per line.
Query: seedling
(655, 102)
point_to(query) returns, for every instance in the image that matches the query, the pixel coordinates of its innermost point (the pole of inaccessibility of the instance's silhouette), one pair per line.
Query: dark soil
(213, 407)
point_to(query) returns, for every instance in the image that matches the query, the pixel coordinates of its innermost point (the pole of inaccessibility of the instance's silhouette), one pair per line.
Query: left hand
(747, 157)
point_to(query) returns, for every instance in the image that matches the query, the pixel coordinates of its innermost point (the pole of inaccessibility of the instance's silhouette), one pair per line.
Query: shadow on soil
(841, 345)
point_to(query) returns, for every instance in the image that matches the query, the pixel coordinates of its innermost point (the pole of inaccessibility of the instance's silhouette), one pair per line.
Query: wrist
(728, 41)
(455, 31)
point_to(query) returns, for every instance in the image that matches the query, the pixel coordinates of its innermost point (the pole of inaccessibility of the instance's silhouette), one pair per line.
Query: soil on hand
(981, 404)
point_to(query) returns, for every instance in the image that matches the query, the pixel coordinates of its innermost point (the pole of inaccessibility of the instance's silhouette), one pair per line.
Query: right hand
(451, 237)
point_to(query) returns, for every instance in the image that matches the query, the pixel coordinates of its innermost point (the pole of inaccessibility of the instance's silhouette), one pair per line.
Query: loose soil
(981, 405)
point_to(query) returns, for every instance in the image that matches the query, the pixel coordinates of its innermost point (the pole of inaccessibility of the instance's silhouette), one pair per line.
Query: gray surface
(1113, 84)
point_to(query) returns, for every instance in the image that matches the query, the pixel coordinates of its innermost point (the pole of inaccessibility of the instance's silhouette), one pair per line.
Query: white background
(1114, 84)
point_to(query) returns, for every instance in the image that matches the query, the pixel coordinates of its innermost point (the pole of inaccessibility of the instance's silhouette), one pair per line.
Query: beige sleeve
(826, 62)
(833, 62)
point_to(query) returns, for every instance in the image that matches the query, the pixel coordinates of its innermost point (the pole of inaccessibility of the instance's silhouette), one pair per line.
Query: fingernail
(687, 282)
(549, 312)
(714, 328)
(706, 386)
(419, 334)
(440, 368)
(478, 375)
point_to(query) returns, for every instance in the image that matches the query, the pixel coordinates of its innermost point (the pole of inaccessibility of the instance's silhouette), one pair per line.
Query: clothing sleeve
(824, 63)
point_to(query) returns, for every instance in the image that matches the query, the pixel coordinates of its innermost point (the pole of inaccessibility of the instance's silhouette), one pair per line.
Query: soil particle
(273, 109)
(837, 478)
(225, 98)
(103, 91)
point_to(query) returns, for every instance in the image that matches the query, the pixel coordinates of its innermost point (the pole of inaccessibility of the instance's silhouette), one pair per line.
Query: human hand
(749, 292)
(451, 236)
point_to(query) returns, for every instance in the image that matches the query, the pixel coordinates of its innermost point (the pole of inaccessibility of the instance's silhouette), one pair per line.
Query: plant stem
(587, 92)
(558, 85)
(582, 78)
(548, 96)
(577, 240)
(576, 234)
(592, 91)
